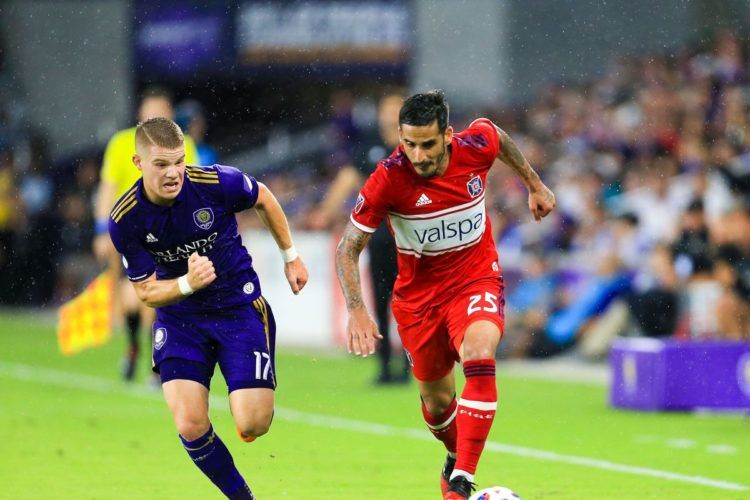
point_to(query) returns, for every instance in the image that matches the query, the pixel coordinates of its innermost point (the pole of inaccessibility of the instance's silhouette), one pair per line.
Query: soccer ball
(495, 493)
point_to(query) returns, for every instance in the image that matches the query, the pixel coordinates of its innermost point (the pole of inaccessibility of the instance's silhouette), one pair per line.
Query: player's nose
(419, 156)
(172, 172)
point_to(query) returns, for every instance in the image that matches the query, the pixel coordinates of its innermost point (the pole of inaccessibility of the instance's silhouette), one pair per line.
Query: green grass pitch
(70, 429)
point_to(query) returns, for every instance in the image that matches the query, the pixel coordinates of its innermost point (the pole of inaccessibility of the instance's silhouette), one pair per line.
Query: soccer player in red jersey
(448, 298)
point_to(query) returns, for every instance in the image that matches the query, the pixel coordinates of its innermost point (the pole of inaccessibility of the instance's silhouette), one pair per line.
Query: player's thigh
(479, 312)
(246, 348)
(187, 400)
(252, 409)
(425, 340)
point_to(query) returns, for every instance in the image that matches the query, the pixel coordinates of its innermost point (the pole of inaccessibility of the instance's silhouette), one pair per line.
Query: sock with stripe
(443, 426)
(213, 459)
(476, 411)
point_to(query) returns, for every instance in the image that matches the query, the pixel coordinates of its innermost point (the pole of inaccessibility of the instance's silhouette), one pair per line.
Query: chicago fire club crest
(203, 218)
(474, 186)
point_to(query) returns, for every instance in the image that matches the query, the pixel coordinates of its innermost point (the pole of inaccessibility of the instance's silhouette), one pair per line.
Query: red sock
(443, 426)
(476, 411)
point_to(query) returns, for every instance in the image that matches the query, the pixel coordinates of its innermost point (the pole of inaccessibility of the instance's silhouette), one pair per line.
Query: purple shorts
(241, 339)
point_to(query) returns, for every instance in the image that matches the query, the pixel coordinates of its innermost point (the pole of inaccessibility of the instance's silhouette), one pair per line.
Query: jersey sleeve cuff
(136, 279)
(362, 227)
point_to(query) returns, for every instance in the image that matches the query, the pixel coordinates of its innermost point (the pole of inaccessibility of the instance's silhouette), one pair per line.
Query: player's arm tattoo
(512, 156)
(347, 264)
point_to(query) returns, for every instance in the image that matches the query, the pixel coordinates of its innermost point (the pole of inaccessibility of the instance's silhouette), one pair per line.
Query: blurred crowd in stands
(650, 163)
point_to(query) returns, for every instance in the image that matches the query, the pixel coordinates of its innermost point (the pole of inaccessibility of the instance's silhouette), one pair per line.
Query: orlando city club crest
(160, 338)
(203, 217)
(474, 186)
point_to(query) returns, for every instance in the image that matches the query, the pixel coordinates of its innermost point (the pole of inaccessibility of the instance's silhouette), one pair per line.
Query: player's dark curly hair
(423, 109)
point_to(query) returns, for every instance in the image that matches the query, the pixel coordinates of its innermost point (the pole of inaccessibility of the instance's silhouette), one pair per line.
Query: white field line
(95, 384)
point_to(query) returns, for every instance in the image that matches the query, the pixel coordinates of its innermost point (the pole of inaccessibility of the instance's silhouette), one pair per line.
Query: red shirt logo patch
(474, 186)
(359, 204)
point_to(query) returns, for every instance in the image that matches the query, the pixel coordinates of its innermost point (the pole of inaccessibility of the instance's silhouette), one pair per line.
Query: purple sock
(214, 460)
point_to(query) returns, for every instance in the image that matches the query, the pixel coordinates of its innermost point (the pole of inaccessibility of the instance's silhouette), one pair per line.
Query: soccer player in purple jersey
(177, 234)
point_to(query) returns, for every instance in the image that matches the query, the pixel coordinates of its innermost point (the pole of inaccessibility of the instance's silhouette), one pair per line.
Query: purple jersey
(152, 238)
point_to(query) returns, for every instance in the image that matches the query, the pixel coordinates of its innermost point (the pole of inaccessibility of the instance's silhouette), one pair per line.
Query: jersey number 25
(489, 304)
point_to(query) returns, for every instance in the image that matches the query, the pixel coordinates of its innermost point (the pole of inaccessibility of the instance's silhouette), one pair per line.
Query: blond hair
(161, 132)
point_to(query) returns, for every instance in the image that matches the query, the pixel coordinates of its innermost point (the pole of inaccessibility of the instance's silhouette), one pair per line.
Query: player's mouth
(425, 169)
(171, 186)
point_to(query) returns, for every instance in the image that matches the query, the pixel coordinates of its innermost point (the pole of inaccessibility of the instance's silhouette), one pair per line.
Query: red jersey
(442, 232)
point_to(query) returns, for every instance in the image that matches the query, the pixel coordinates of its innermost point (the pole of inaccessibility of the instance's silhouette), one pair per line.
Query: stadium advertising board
(328, 33)
(179, 39)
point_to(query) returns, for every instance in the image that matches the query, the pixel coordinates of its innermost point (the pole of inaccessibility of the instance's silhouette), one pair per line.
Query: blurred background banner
(324, 32)
(180, 39)
(187, 40)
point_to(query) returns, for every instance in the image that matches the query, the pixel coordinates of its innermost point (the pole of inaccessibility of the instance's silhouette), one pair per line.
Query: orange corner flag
(86, 320)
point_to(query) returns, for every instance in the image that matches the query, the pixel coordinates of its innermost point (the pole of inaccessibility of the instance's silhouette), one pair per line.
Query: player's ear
(137, 161)
(448, 134)
(400, 134)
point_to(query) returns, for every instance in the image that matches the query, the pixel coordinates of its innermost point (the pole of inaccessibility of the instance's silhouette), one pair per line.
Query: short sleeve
(240, 190)
(371, 208)
(138, 263)
(484, 137)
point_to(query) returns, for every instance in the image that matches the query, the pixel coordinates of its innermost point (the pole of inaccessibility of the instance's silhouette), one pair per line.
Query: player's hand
(296, 274)
(541, 201)
(201, 272)
(103, 247)
(361, 333)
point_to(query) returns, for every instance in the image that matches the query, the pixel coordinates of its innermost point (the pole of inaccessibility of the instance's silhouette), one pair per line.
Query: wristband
(185, 288)
(289, 254)
(101, 227)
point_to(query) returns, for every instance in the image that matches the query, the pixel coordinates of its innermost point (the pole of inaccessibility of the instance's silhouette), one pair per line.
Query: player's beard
(435, 164)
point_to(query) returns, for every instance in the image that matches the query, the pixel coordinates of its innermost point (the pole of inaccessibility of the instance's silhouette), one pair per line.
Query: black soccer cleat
(459, 488)
(445, 475)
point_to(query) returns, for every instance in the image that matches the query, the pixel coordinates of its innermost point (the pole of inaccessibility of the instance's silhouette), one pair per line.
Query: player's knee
(484, 350)
(255, 428)
(437, 403)
(255, 424)
(480, 341)
(192, 427)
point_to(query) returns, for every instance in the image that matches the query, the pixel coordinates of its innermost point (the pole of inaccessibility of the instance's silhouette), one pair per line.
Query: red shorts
(432, 337)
